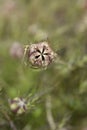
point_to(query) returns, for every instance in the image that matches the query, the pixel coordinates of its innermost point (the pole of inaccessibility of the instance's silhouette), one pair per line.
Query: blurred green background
(64, 23)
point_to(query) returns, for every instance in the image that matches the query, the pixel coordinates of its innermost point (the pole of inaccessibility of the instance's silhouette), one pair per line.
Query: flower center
(41, 54)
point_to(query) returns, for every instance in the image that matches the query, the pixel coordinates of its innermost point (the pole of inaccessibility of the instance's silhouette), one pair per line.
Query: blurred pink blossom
(8, 7)
(16, 50)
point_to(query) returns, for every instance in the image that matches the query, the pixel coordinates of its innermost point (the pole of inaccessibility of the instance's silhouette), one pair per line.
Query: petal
(32, 48)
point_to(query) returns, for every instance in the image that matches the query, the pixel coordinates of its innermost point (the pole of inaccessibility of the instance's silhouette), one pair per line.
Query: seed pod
(18, 105)
(39, 55)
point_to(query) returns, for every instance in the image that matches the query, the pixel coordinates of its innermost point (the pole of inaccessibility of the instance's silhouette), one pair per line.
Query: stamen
(46, 54)
(38, 50)
(43, 59)
(43, 49)
(36, 57)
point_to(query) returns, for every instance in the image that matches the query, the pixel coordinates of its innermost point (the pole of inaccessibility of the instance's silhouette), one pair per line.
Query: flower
(16, 50)
(18, 105)
(40, 54)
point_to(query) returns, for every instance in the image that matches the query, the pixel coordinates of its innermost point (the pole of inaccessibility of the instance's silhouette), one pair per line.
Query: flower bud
(40, 55)
(18, 105)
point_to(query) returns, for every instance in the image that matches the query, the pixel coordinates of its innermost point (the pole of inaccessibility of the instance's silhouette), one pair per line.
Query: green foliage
(28, 21)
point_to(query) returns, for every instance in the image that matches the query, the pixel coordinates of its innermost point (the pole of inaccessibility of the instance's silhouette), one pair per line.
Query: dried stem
(49, 114)
(12, 125)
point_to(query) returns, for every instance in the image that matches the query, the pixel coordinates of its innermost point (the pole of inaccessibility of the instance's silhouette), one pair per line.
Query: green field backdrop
(62, 87)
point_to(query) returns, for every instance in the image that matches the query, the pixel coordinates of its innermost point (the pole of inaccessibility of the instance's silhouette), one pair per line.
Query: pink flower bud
(40, 54)
(18, 105)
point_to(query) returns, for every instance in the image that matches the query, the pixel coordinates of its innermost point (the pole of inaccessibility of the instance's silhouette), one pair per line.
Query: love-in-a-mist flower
(18, 105)
(39, 55)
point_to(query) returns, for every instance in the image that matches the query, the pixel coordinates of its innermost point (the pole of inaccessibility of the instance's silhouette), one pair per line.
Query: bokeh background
(64, 23)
